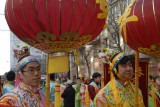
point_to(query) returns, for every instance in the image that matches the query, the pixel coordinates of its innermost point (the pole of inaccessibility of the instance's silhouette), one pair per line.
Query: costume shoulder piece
(10, 98)
(124, 94)
(110, 94)
(22, 96)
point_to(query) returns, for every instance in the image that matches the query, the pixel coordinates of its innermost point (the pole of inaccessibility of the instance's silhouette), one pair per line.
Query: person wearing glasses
(26, 92)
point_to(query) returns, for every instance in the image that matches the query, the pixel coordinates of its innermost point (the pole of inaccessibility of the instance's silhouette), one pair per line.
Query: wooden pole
(102, 78)
(152, 87)
(47, 84)
(136, 79)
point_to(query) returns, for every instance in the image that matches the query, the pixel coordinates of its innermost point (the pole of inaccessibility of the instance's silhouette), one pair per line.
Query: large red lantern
(140, 26)
(56, 25)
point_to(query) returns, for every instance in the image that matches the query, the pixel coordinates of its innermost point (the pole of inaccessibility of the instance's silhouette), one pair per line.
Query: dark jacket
(69, 97)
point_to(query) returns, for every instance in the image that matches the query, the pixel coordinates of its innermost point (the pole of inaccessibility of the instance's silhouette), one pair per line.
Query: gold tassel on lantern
(77, 57)
(57, 95)
(111, 76)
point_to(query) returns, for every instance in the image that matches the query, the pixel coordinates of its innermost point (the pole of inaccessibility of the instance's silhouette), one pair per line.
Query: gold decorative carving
(66, 42)
(124, 19)
(154, 50)
(103, 7)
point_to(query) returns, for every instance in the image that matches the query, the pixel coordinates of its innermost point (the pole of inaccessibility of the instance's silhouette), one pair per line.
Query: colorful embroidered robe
(85, 97)
(52, 91)
(157, 96)
(106, 96)
(7, 87)
(22, 96)
(82, 93)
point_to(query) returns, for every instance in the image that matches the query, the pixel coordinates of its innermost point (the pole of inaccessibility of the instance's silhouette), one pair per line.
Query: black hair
(10, 76)
(95, 75)
(52, 77)
(156, 77)
(151, 77)
(82, 78)
(123, 61)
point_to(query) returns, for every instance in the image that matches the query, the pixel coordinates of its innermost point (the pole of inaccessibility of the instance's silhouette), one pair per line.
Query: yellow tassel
(153, 94)
(57, 61)
(102, 82)
(87, 98)
(117, 98)
(57, 95)
(111, 76)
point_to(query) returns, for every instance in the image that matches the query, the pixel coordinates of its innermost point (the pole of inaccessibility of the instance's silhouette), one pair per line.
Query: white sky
(4, 41)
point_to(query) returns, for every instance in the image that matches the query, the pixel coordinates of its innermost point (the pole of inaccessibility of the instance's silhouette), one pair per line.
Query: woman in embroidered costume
(26, 92)
(119, 92)
(77, 92)
(10, 82)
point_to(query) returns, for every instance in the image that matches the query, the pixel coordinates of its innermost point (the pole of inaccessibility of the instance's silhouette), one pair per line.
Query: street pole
(136, 79)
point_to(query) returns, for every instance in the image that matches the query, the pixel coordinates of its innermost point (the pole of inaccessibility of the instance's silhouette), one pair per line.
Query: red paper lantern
(140, 26)
(56, 25)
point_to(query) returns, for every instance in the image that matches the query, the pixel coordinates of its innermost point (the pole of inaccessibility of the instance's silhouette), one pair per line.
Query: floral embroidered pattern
(7, 101)
(124, 93)
(22, 96)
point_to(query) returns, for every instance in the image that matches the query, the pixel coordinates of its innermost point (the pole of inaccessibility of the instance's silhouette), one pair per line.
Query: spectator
(69, 95)
(10, 82)
(157, 93)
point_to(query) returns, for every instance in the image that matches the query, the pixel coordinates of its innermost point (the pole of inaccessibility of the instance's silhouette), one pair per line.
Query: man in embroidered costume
(119, 92)
(94, 86)
(26, 92)
(157, 93)
(10, 82)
